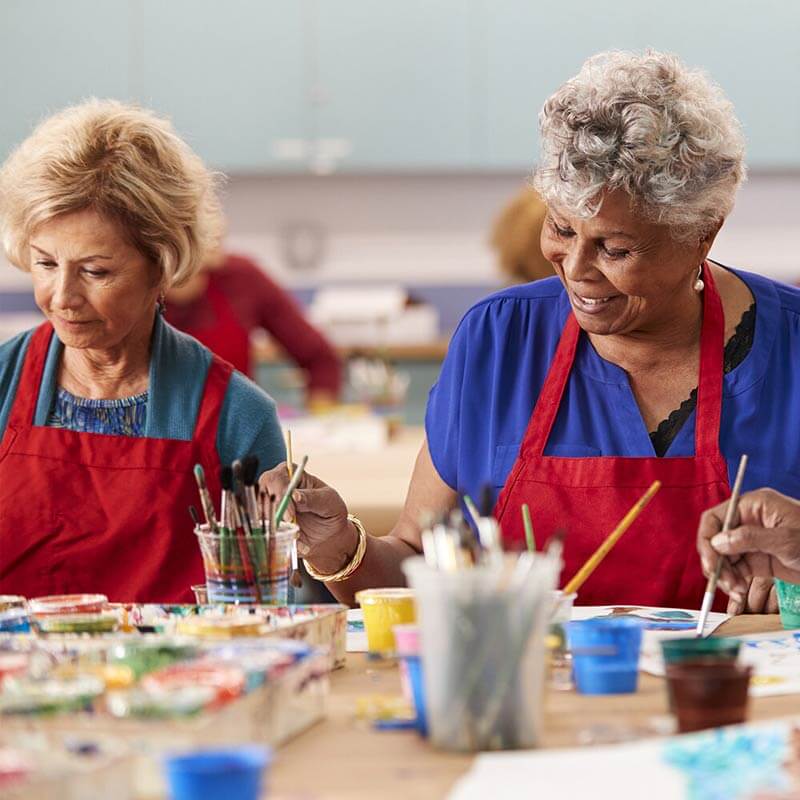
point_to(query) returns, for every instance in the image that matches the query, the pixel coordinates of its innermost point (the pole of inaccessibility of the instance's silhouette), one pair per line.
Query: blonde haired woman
(105, 408)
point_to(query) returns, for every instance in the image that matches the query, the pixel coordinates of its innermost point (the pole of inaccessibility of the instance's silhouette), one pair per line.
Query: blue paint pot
(218, 774)
(605, 654)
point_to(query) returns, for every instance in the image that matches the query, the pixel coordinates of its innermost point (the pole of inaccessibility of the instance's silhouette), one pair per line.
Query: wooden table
(344, 759)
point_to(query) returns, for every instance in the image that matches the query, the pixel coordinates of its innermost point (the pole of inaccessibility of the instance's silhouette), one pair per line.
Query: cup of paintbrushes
(247, 568)
(483, 650)
(708, 693)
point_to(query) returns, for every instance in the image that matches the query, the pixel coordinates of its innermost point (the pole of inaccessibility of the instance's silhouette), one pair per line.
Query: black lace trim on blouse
(737, 347)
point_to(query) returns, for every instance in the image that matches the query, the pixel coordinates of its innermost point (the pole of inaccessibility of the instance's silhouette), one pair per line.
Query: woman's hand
(764, 545)
(327, 539)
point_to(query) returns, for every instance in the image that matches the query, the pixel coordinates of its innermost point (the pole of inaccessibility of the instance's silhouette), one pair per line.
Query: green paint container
(722, 649)
(789, 603)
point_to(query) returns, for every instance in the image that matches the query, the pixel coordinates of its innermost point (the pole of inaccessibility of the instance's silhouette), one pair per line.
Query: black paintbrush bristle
(226, 478)
(250, 470)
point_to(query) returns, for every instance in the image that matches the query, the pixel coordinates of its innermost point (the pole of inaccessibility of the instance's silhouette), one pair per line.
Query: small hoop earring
(699, 285)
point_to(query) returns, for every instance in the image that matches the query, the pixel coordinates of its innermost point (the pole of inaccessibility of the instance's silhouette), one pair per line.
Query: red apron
(227, 337)
(89, 512)
(655, 563)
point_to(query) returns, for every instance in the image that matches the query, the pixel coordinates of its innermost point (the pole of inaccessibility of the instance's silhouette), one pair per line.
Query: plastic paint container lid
(9, 601)
(77, 623)
(184, 701)
(227, 680)
(380, 596)
(27, 696)
(15, 620)
(12, 664)
(220, 626)
(14, 766)
(68, 604)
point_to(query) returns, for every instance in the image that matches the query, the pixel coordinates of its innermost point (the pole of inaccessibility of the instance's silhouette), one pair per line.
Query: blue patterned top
(123, 417)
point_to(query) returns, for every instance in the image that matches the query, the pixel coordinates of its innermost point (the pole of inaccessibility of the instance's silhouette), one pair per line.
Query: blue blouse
(178, 368)
(499, 356)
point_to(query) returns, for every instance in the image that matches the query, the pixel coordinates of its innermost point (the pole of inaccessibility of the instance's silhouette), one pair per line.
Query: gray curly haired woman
(641, 361)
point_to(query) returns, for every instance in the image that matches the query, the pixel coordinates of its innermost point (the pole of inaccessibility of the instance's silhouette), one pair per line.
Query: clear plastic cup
(247, 569)
(483, 651)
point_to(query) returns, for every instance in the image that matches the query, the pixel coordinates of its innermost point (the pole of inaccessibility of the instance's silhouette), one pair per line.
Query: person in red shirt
(231, 297)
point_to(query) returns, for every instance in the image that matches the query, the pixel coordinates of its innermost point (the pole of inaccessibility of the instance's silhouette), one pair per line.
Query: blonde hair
(648, 124)
(128, 165)
(516, 235)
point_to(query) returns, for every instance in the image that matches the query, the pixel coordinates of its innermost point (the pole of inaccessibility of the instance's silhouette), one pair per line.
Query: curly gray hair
(649, 125)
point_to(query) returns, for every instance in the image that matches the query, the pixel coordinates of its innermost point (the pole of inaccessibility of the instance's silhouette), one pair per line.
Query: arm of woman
(328, 540)
(279, 314)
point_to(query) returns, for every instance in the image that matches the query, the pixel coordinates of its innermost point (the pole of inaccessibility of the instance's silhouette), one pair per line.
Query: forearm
(380, 567)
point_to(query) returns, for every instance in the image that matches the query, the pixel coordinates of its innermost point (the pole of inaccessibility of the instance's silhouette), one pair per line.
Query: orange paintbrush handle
(594, 560)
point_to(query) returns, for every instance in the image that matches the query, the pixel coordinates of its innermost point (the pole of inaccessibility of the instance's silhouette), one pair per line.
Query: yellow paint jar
(383, 609)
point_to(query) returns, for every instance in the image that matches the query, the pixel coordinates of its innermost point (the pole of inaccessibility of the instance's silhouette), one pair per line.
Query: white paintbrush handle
(708, 599)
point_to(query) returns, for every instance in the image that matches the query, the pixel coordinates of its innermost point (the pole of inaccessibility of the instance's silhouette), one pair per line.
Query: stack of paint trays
(73, 613)
(13, 614)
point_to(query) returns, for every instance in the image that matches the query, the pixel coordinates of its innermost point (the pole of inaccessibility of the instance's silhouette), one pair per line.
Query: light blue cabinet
(230, 75)
(360, 86)
(397, 82)
(751, 49)
(53, 54)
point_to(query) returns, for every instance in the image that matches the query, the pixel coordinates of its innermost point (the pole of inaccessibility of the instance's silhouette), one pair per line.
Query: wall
(432, 232)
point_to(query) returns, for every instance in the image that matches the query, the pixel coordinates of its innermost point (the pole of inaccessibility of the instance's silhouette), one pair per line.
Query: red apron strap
(546, 409)
(217, 380)
(709, 390)
(24, 409)
(709, 384)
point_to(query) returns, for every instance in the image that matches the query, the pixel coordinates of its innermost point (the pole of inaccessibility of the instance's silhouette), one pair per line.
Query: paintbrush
(241, 526)
(226, 518)
(296, 579)
(194, 515)
(713, 578)
(594, 560)
(528, 525)
(205, 498)
(293, 484)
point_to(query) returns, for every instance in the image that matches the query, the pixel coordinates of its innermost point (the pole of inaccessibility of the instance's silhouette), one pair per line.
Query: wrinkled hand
(327, 539)
(765, 544)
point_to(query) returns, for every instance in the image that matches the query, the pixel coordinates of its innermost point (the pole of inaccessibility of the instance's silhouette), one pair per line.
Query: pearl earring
(698, 284)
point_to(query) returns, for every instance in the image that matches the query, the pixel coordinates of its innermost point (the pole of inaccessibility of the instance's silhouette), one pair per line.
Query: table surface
(343, 757)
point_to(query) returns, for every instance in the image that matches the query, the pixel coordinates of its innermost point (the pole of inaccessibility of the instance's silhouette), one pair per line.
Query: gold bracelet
(355, 562)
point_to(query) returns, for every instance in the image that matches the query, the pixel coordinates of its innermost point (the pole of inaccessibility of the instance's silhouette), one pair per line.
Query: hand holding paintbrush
(326, 537)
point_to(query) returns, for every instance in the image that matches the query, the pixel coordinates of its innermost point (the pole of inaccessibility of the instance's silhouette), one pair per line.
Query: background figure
(516, 235)
(229, 298)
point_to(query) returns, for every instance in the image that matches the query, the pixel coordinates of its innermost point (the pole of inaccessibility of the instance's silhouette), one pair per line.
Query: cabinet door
(53, 54)
(394, 83)
(752, 50)
(229, 74)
